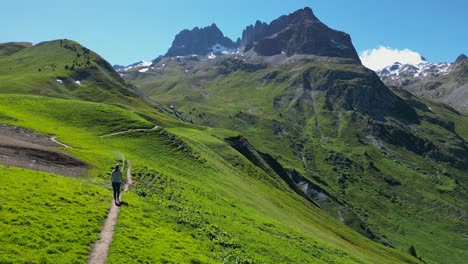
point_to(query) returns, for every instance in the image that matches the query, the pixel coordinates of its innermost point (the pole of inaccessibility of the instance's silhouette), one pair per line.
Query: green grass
(314, 127)
(34, 70)
(196, 200)
(235, 210)
(46, 218)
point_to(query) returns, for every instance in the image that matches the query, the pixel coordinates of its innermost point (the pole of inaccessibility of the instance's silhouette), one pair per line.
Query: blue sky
(124, 32)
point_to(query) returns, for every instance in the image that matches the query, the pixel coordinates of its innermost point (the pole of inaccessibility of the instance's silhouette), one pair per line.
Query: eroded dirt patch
(22, 148)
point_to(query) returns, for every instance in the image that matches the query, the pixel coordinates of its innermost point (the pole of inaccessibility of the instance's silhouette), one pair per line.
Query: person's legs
(115, 188)
(118, 192)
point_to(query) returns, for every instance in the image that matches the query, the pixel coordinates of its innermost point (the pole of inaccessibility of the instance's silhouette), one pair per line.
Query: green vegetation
(47, 218)
(390, 178)
(197, 200)
(364, 172)
(63, 69)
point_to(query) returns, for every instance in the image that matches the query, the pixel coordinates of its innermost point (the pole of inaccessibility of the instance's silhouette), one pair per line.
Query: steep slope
(63, 69)
(440, 82)
(375, 161)
(300, 32)
(200, 41)
(381, 161)
(196, 199)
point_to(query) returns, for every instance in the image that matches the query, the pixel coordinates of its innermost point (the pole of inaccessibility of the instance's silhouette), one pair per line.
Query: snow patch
(78, 82)
(59, 80)
(218, 48)
(145, 63)
(406, 72)
(137, 65)
(211, 56)
(143, 70)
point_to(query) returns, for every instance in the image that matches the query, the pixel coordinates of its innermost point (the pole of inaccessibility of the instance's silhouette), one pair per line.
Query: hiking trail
(130, 130)
(53, 139)
(100, 248)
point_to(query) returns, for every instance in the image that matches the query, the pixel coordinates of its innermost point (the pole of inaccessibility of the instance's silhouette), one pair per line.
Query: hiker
(116, 180)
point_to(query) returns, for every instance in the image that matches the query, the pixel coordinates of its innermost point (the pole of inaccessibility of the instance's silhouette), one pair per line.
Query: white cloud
(376, 59)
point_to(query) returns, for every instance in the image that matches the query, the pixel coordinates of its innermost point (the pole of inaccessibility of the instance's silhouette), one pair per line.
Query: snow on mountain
(402, 74)
(218, 48)
(139, 64)
(211, 56)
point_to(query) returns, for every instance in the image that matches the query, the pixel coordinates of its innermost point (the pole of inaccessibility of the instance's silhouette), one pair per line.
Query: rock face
(443, 82)
(200, 41)
(399, 74)
(300, 32)
(460, 58)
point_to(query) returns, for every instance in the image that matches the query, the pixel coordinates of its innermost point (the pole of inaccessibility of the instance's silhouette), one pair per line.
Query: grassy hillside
(47, 218)
(388, 165)
(63, 69)
(197, 199)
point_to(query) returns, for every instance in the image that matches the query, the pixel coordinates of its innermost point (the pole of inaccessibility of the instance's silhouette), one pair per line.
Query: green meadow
(196, 199)
(405, 187)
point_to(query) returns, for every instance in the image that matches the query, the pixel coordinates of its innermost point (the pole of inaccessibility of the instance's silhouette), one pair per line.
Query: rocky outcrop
(442, 82)
(300, 32)
(460, 58)
(200, 41)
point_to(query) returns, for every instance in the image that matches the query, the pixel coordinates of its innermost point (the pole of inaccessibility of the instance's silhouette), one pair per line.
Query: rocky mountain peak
(461, 58)
(199, 41)
(300, 32)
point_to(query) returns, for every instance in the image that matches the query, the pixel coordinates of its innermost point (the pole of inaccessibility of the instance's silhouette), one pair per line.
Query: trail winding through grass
(130, 130)
(53, 139)
(100, 249)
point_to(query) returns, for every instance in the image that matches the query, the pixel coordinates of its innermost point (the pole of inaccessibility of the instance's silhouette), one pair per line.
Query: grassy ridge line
(391, 189)
(241, 204)
(65, 69)
(202, 186)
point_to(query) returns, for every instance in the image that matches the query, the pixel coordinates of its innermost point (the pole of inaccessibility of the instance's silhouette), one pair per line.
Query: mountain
(300, 32)
(376, 158)
(441, 82)
(140, 64)
(200, 194)
(62, 69)
(200, 41)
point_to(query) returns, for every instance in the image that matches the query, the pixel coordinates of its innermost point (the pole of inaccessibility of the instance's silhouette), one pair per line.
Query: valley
(275, 148)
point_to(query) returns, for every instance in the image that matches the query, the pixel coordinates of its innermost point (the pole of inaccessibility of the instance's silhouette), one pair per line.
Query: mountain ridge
(333, 131)
(312, 158)
(199, 41)
(442, 82)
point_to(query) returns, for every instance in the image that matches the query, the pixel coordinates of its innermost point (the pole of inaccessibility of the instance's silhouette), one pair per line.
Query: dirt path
(130, 130)
(100, 249)
(60, 143)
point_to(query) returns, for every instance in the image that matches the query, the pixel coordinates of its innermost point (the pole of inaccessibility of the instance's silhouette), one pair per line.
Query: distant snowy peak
(399, 74)
(140, 64)
(415, 70)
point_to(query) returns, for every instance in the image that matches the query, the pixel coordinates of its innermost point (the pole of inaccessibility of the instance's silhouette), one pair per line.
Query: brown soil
(100, 249)
(22, 148)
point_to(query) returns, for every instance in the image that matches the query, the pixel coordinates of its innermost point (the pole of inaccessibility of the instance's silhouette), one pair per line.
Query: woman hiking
(116, 179)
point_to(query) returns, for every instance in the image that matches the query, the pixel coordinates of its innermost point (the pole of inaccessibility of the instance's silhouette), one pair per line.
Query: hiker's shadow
(122, 203)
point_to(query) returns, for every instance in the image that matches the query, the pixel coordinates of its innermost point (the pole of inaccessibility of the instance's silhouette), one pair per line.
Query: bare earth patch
(100, 249)
(22, 148)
